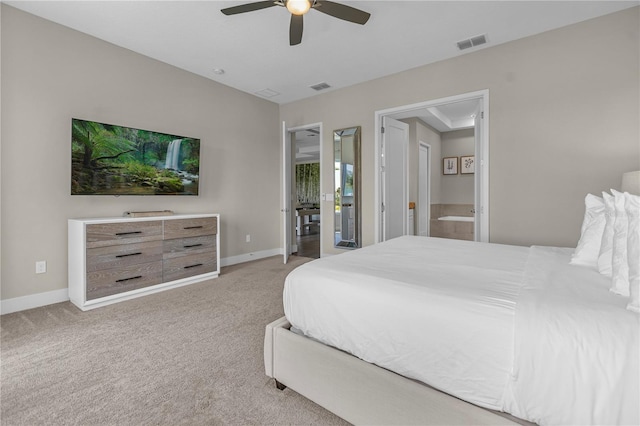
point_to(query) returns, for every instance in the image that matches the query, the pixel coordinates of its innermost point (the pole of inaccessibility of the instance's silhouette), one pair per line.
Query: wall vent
(472, 42)
(320, 86)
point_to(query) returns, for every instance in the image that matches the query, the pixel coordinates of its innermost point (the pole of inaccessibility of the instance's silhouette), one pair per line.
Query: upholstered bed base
(360, 392)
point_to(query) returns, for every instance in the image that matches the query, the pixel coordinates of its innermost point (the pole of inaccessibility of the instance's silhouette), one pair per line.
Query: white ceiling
(307, 145)
(253, 48)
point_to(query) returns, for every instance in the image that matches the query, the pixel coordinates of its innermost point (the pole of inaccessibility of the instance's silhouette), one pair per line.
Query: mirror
(346, 151)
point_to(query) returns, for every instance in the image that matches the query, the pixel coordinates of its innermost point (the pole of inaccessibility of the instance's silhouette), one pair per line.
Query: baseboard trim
(23, 303)
(248, 257)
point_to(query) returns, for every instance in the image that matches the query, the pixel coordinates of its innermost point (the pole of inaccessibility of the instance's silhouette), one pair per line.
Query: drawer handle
(128, 233)
(129, 279)
(193, 227)
(192, 245)
(129, 254)
(193, 266)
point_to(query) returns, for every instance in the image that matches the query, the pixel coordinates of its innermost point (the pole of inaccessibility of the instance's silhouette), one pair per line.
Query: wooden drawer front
(188, 246)
(112, 281)
(182, 228)
(187, 266)
(109, 234)
(123, 255)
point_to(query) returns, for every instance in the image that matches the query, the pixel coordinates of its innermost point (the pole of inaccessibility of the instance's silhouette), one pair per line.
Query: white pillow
(632, 206)
(588, 248)
(605, 255)
(619, 265)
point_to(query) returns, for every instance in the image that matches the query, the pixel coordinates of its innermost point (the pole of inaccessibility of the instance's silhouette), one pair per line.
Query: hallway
(309, 242)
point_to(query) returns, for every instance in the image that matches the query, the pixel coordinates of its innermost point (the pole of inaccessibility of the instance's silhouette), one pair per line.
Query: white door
(424, 189)
(395, 202)
(286, 191)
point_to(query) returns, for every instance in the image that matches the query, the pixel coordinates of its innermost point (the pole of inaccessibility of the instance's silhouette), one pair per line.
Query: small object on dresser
(149, 213)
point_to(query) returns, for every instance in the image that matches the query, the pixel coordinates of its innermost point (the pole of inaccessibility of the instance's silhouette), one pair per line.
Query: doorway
(302, 183)
(476, 162)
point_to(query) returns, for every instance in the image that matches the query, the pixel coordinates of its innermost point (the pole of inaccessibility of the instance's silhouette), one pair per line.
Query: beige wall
(51, 74)
(457, 189)
(421, 132)
(564, 108)
(564, 121)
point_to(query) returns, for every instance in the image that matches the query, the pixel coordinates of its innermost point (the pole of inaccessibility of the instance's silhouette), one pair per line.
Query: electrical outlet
(248, 238)
(41, 267)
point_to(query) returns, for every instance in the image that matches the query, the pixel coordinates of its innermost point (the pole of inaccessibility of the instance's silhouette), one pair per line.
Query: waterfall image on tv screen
(117, 160)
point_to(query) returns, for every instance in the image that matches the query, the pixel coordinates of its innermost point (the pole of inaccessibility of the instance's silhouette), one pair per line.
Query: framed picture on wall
(467, 165)
(450, 166)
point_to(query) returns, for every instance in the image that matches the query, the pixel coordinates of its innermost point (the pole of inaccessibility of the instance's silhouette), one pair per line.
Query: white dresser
(115, 259)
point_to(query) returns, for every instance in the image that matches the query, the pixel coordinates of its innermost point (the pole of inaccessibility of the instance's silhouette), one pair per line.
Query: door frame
(287, 133)
(481, 176)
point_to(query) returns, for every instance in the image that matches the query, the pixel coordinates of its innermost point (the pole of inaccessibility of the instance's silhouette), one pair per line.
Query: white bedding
(445, 312)
(436, 310)
(576, 349)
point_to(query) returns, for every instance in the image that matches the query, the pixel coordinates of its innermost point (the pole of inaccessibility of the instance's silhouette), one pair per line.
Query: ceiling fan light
(298, 7)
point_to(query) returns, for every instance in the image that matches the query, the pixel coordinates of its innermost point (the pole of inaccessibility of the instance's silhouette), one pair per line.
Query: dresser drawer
(188, 246)
(109, 234)
(187, 266)
(113, 281)
(99, 258)
(182, 228)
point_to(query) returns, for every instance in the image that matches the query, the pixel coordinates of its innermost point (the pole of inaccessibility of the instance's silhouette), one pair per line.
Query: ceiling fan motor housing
(298, 8)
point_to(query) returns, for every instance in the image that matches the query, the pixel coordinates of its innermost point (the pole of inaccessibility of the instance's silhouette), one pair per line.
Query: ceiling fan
(298, 8)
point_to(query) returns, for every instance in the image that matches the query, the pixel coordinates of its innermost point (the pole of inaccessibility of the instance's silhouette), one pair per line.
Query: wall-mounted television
(115, 160)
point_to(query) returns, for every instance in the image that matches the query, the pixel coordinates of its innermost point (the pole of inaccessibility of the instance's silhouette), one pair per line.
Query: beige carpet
(191, 355)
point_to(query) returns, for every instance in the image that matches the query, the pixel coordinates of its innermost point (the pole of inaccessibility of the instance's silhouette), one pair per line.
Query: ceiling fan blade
(249, 7)
(342, 11)
(295, 30)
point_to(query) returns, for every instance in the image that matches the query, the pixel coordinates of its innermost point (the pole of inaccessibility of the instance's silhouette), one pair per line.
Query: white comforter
(445, 312)
(576, 349)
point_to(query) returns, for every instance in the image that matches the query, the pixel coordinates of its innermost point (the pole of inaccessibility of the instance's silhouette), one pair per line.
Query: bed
(420, 330)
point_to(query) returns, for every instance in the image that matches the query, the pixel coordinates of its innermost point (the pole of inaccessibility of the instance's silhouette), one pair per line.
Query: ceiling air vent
(472, 42)
(320, 86)
(266, 93)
